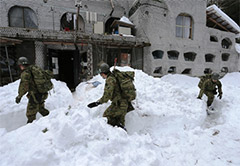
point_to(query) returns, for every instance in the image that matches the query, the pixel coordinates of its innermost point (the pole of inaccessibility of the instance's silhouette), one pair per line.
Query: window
(22, 17)
(213, 39)
(209, 57)
(158, 70)
(158, 54)
(190, 56)
(225, 56)
(224, 69)
(187, 71)
(173, 54)
(172, 69)
(68, 22)
(184, 26)
(207, 71)
(226, 43)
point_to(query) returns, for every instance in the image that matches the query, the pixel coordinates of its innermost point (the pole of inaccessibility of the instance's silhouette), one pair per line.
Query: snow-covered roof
(217, 16)
(126, 20)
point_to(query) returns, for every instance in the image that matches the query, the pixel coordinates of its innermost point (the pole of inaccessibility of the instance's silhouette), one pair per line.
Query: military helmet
(104, 68)
(23, 61)
(215, 76)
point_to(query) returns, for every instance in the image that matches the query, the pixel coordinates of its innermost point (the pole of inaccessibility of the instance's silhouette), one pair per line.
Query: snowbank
(169, 126)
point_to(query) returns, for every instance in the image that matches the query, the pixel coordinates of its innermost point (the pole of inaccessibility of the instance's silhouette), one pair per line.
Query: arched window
(108, 26)
(213, 39)
(209, 57)
(68, 22)
(225, 56)
(158, 70)
(157, 54)
(189, 56)
(226, 43)
(184, 26)
(173, 54)
(23, 17)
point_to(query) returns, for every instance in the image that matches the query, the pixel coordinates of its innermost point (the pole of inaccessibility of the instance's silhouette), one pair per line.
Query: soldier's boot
(31, 118)
(44, 112)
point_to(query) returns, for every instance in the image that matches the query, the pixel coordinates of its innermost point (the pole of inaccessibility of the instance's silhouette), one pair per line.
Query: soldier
(119, 107)
(210, 87)
(27, 85)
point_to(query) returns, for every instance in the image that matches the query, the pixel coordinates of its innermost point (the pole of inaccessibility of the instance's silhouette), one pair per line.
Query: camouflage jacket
(111, 90)
(26, 83)
(210, 86)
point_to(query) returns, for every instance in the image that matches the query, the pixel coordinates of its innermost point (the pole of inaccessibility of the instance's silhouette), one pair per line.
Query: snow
(169, 126)
(224, 16)
(126, 20)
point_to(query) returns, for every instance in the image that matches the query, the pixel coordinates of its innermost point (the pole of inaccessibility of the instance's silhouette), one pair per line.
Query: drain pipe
(9, 68)
(112, 7)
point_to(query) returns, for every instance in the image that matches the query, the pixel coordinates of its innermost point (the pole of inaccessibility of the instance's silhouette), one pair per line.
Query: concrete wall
(157, 20)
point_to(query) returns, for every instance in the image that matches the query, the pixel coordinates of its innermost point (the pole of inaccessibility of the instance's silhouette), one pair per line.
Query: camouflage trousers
(210, 96)
(35, 105)
(116, 112)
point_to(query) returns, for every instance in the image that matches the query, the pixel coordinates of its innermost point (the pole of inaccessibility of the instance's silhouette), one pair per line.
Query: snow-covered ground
(169, 126)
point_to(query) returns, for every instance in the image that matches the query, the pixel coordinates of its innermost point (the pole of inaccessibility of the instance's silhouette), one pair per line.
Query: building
(72, 37)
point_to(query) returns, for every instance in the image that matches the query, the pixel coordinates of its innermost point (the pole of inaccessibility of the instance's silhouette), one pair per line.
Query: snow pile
(169, 126)
(126, 20)
(12, 115)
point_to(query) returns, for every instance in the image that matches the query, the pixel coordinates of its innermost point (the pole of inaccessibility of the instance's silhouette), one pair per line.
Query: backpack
(125, 83)
(203, 79)
(42, 79)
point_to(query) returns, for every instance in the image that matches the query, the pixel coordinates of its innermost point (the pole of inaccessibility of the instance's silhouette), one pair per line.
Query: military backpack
(203, 79)
(125, 83)
(42, 79)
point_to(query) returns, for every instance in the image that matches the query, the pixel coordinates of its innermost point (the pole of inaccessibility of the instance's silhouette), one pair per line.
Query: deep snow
(169, 126)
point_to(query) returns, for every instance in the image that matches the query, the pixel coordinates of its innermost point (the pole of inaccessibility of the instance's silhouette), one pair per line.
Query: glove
(18, 99)
(219, 96)
(94, 104)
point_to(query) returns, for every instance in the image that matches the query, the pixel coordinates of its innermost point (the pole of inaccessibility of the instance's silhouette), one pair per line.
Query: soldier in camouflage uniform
(210, 87)
(35, 99)
(119, 107)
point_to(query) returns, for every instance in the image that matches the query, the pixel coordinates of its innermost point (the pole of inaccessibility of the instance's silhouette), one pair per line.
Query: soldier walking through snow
(27, 85)
(119, 107)
(210, 87)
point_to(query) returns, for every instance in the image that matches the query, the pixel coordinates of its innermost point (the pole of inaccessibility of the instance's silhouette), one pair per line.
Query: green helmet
(215, 76)
(23, 61)
(104, 68)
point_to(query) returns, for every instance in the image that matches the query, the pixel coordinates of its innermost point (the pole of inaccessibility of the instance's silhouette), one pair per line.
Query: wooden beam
(218, 24)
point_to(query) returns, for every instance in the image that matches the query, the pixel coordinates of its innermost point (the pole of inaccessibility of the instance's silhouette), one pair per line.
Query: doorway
(65, 65)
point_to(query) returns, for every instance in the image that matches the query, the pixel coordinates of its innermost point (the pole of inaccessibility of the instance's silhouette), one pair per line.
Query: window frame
(182, 27)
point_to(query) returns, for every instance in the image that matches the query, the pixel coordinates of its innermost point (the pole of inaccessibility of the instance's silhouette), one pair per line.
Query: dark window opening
(207, 71)
(213, 39)
(190, 56)
(224, 69)
(69, 22)
(187, 71)
(23, 17)
(225, 56)
(209, 57)
(226, 43)
(172, 69)
(157, 54)
(108, 26)
(184, 26)
(173, 55)
(158, 70)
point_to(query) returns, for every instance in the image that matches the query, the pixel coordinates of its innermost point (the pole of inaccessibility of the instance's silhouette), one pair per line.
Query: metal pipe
(9, 68)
